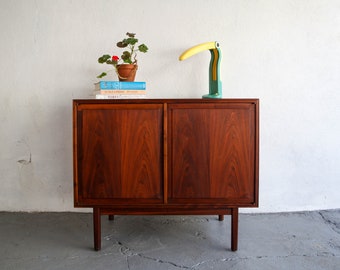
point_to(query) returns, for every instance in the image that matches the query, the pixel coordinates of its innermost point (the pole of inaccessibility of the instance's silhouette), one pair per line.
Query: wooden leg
(234, 228)
(220, 217)
(97, 228)
(111, 217)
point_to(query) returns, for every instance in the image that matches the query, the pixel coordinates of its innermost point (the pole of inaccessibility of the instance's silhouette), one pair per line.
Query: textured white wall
(285, 52)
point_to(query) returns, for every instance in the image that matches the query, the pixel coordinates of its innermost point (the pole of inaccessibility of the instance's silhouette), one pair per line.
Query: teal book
(117, 85)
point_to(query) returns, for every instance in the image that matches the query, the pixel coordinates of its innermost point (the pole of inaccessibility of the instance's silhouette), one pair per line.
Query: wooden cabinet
(166, 156)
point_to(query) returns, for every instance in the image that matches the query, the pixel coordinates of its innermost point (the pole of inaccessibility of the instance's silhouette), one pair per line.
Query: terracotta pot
(127, 72)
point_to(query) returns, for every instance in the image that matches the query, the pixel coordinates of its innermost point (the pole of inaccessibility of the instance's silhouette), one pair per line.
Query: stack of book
(119, 90)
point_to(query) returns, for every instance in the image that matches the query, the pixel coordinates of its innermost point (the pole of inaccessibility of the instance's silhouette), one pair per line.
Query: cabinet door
(212, 153)
(119, 154)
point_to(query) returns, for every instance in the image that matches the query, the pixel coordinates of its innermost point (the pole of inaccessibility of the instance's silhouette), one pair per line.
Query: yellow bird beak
(198, 48)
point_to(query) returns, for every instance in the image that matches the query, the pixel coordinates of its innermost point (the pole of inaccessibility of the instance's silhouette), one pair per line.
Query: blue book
(117, 85)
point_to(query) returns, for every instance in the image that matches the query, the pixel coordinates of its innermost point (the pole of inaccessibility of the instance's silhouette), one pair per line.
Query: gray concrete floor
(302, 240)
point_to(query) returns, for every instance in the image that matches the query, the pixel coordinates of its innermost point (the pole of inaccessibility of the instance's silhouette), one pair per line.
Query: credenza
(166, 157)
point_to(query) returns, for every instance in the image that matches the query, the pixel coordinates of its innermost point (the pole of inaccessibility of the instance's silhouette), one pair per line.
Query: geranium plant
(129, 55)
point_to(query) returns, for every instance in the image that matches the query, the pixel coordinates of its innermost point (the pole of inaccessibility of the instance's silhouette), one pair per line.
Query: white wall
(285, 52)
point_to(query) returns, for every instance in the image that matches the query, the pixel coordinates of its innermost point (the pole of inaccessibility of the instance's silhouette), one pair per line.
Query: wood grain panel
(212, 152)
(121, 153)
(232, 149)
(190, 162)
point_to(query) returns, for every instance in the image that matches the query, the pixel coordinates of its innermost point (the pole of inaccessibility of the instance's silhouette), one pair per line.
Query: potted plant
(125, 66)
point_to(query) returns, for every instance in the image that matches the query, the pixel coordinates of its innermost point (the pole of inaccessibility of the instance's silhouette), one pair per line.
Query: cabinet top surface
(172, 100)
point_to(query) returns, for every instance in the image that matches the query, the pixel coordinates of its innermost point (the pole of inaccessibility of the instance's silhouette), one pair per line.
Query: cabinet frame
(168, 113)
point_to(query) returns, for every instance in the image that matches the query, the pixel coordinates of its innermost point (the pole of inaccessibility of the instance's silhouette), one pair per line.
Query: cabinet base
(98, 212)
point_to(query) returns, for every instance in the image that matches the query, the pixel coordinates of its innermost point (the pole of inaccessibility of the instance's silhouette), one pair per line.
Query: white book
(99, 96)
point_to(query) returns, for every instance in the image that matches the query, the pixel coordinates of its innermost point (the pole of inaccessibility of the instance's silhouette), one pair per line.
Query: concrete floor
(302, 240)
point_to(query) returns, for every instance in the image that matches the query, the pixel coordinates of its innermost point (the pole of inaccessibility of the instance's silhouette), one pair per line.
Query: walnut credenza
(166, 157)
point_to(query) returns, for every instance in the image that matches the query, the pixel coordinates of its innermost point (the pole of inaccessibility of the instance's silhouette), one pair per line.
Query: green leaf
(102, 75)
(131, 41)
(104, 58)
(121, 44)
(143, 48)
(126, 56)
(130, 34)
